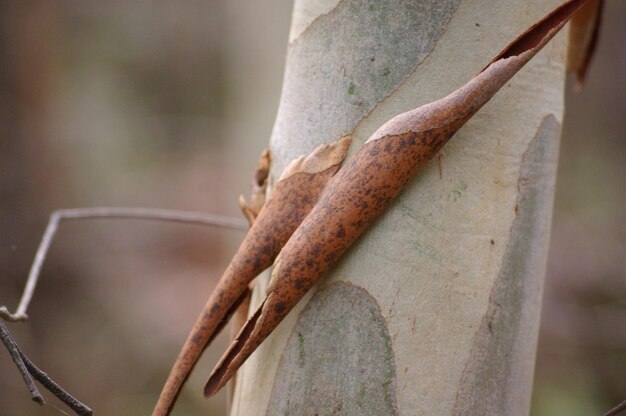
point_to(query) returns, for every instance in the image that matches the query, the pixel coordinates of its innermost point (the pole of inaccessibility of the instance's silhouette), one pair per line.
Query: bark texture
(441, 297)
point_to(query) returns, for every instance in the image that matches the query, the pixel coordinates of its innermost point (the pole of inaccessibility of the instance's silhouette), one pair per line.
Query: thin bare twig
(28, 369)
(617, 409)
(75, 404)
(56, 217)
(18, 359)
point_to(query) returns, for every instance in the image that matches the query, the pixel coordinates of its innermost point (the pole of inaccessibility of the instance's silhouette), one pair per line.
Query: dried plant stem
(617, 409)
(78, 407)
(28, 369)
(18, 359)
(56, 217)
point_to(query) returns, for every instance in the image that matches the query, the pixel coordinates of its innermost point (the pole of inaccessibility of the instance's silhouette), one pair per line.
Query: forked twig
(77, 406)
(16, 355)
(28, 369)
(56, 217)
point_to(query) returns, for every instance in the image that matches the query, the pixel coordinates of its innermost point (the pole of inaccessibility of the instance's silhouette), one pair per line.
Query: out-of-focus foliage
(168, 104)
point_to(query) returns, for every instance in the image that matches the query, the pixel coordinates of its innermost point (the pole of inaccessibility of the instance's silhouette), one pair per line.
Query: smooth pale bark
(435, 310)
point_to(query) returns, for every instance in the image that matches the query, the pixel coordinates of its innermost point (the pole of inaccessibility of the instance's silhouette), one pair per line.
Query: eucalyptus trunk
(435, 310)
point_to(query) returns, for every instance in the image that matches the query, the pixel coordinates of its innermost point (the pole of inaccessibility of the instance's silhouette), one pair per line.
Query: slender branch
(18, 359)
(28, 369)
(56, 217)
(617, 409)
(78, 407)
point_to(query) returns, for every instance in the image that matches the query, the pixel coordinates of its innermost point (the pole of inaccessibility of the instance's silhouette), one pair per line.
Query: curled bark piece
(583, 38)
(292, 198)
(369, 182)
(259, 186)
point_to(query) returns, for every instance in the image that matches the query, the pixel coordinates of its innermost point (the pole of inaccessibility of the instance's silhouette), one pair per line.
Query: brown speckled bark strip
(292, 199)
(361, 191)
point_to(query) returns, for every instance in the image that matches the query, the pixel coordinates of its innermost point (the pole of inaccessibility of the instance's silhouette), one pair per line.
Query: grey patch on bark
(338, 359)
(337, 70)
(511, 322)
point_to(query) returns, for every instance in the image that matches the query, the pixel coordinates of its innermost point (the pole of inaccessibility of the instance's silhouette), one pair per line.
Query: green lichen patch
(517, 289)
(351, 88)
(456, 193)
(338, 360)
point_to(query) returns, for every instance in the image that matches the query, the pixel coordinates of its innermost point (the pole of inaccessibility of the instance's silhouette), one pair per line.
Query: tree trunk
(436, 309)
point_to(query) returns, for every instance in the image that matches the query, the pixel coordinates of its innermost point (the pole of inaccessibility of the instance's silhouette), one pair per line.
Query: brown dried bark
(583, 38)
(294, 195)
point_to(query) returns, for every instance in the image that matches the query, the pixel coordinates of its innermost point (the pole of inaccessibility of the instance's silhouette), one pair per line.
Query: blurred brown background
(168, 104)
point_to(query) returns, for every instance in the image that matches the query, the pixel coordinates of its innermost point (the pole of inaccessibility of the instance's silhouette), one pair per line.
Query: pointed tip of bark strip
(536, 36)
(230, 361)
(215, 383)
(320, 159)
(460, 105)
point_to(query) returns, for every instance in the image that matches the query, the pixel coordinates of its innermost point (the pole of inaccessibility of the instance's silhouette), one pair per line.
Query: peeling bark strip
(372, 179)
(583, 38)
(293, 197)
